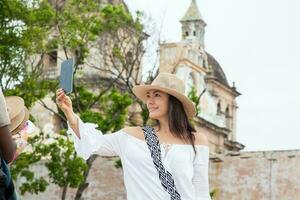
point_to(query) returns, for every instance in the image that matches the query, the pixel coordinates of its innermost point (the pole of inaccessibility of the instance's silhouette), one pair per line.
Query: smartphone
(66, 75)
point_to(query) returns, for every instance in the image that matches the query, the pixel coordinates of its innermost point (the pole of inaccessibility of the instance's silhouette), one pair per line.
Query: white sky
(257, 44)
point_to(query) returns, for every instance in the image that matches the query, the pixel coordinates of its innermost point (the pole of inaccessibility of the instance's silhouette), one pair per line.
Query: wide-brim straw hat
(170, 84)
(18, 113)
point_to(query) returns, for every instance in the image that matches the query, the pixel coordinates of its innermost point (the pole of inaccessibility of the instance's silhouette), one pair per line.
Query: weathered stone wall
(105, 183)
(261, 175)
(270, 175)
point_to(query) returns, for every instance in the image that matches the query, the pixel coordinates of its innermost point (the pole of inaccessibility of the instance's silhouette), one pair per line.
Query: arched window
(53, 58)
(227, 111)
(219, 108)
(228, 119)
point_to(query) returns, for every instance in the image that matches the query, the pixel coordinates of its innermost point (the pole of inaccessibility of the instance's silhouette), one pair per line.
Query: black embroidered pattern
(165, 177)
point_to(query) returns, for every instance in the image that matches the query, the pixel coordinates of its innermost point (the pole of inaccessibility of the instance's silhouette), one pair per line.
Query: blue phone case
(66, 75)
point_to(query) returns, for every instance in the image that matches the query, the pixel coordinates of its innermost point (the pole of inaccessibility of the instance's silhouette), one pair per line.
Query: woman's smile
(152, 109)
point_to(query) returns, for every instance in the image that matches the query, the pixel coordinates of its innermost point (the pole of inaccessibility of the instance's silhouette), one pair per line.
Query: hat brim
(141, 90)
(19, 121)
(15, 106)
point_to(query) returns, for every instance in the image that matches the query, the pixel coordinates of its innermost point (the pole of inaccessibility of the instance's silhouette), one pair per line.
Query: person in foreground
(14, 119)
(166, 161)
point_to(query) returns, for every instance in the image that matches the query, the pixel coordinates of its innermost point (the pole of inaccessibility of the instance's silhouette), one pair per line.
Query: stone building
(189, 60)
(99, 63)
(98, 69)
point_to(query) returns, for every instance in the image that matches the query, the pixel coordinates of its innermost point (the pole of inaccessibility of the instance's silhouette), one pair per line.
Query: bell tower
(193, 25)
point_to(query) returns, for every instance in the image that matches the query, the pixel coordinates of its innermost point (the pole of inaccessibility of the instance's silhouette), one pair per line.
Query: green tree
(37, 29)
(196, 98)
(65, 168)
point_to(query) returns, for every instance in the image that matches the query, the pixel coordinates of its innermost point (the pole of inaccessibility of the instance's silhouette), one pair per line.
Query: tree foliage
(195, 98)
(30, 32)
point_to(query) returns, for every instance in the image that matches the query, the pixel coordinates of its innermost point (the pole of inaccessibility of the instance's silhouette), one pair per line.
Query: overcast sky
(257, 44)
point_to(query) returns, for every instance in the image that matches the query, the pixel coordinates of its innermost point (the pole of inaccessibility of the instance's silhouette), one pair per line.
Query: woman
(184, 152)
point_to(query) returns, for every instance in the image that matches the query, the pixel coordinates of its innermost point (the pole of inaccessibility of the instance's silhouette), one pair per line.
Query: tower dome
(216, 70)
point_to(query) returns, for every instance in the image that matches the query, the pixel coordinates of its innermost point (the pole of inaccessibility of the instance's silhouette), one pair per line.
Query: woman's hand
(63, 101)
(65, 104)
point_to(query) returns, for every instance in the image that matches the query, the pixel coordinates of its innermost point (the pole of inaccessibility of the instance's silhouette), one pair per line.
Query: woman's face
(157, 103)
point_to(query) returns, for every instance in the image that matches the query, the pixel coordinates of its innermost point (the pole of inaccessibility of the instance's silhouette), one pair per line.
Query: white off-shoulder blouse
(141, 180)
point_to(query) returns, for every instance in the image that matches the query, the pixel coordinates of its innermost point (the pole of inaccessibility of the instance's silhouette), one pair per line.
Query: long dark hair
(179, 123)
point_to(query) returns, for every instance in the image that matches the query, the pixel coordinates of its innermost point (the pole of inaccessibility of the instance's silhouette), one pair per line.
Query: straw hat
(18, 113)
(171, 84)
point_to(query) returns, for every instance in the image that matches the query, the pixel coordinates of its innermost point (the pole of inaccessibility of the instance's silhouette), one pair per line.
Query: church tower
(199, 70)
(193, 25)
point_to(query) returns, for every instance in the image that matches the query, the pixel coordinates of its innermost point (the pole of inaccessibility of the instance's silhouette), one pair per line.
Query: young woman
(183, 152)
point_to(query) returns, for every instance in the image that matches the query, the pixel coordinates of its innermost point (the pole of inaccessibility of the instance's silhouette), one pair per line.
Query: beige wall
(270, 175)
(265, 175)
(105, 183)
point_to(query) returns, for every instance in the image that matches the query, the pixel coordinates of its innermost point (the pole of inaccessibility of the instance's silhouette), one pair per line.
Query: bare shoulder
(201, 139)
(135, 131)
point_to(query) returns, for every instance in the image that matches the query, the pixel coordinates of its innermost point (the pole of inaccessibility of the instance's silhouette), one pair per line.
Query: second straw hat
(18, 113)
